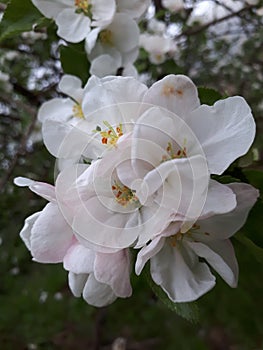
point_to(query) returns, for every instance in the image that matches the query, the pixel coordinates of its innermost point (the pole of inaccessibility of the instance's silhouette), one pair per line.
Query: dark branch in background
(198, 29)
(22, 148)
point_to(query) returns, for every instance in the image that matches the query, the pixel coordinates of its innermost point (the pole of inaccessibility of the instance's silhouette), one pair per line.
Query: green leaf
(19, 17)
(251, 246)
(188, 311)
(74, 61)
(208, 96)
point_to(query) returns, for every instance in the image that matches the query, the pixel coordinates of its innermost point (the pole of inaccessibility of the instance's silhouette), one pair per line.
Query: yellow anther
(83, 6)
(111, 136)
(77, 111)
(124, 195)
(106, 37)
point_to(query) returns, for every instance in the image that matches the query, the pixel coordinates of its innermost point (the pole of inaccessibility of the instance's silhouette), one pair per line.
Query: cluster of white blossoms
(134, 177)
(109, 28)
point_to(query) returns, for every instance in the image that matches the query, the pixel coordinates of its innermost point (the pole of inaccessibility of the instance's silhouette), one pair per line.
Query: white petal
(23, 181)
(220, 199)
(51, 8)
(225, 225)
(77, 283)
(113, 230)
(26, 231)
(51, 236)
(64, 140)
(114, 270)
(43, 189)
(102, 12)
(91, 39)
(125, 93)
(125, 32)
(147, 252)
(98, 294)
(104, 65)
(71, 86)
(177, 93)
(72, 27)
(221, 256)
(79, 259)
(58, 109)
(225, 130)
(180, 274)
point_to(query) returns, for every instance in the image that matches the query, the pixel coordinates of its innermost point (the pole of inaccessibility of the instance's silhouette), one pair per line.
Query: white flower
(156, 26)
(75, 18)
(157, 46)
(111, 102)
(120, 40)
(174, 256)
(101, 277)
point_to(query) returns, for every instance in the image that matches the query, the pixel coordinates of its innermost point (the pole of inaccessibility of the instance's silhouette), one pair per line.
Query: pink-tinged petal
(71, 86)
(26, 231)
(114, 270)
(77, 283)
(177, 270)
(220, 199)
(185, 188)
(43, 189)
(79, 259)
(177, 93)
(98, 294)
(72, 26)
(51, 236)
(51, 9)
(96, 223)
(225, 130)
(225, 225)
(221, 256)
(57, 109)
(147, 252)
(160, 135)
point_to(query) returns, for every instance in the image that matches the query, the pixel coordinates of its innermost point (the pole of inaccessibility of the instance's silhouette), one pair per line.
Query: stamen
(83, 6)
(111, 136)
(173, 154)
(124, 195)
(77, 111)
(106, 37)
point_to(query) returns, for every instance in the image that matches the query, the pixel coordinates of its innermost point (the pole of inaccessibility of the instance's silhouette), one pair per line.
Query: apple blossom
(174, 255)
(157, 46)
(99, 277)
(75, 18)
(119, 39)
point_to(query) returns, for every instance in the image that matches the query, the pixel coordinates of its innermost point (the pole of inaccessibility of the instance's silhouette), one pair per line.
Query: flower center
(83, 6)
(106, 37)
(173, 153)
(77, 111)
(111, 136)
(124, 195)
(178, 236)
